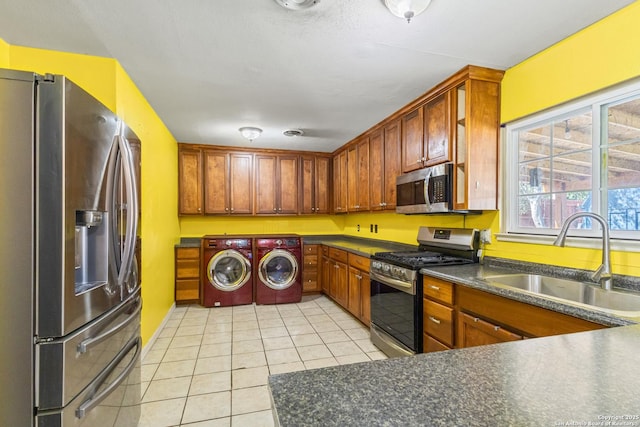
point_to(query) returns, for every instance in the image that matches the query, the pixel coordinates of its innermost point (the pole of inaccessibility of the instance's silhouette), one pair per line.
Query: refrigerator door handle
(132, 210)
(85, 345)
(96, 399)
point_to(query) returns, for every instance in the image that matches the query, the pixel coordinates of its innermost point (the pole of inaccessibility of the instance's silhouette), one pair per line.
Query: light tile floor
(209, 366)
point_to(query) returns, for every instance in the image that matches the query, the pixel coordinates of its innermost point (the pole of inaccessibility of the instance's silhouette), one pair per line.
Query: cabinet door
(473, 331)
(392, 166)
(437, 129)
(322, 182)
(266, 185)
(340, 182)
(216, 183)
(189, 182)
(308, 185)
(365, 298)
(354, 292)
(377, 170)
(362, 182)
(341, 284)
(288, 184)
(413, 140)
(326, 274)
(352, 179)
(240, 183)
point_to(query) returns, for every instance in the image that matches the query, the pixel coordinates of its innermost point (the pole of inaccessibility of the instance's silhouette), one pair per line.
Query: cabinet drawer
(431, 344)
(338, 255)
(184, 253)
(187, 290)
(438, 321)
(438, 290)
(311, 249)
(359, 262)
(187, 268)
(310, 261)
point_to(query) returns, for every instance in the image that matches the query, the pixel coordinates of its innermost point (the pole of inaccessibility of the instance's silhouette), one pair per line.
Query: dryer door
(278, 269)
(228, 270)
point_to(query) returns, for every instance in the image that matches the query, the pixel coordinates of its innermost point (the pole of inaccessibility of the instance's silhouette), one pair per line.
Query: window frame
(597, 103)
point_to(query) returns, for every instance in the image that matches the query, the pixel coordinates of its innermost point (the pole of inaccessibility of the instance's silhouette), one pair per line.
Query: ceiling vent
(293, 132)
(297, 4)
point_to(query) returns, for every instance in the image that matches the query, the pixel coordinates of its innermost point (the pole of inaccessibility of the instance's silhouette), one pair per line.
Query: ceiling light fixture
(407, 9)
(250, 132)
(297, 4)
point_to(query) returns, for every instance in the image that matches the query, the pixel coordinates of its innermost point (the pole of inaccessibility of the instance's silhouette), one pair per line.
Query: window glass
(584, 157)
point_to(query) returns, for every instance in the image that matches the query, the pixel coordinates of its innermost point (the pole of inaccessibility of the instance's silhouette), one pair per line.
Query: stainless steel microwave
(428, 190)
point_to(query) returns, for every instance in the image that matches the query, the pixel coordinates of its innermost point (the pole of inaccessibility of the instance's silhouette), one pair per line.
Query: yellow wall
(304, 225)
(592, 59)
(105, 79)
(4, 54)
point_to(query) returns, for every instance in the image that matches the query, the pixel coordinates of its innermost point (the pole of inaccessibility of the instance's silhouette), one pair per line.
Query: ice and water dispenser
(91, 250)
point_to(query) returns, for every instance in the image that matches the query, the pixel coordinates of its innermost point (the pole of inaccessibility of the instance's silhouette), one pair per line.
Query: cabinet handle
(496, 328)
(434, 287)
(358, 277)
(275, 210)
(313, 209)
(232, 209)
(384, 203)
(199, 210)
(434, 320)
(477, 185)
(475, 319)
(226, 209)
(424, 159)
(317, 209)
(419, 161)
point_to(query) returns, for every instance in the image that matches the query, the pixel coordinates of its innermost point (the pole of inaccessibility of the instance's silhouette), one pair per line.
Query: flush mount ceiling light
(293, 132)
(297, 4)
(407, 9)
(250, 133)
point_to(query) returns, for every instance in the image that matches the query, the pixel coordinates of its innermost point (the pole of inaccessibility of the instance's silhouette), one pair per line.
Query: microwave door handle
(427, 182)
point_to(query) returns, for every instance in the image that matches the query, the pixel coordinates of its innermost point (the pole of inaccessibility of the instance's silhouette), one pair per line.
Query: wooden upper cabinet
(384, 166)
(189, 181)
(216, 176)
(437, 128)
(240, 183)
(363, 175)
(413, 140)
(340, 182)
(315, 176)
(277, 184)
(476, 135)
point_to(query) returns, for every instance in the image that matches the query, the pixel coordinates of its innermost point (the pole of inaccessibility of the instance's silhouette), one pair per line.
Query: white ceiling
(208, 67)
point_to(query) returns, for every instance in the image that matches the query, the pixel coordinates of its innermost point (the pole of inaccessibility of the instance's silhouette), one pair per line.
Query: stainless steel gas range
(396, 286)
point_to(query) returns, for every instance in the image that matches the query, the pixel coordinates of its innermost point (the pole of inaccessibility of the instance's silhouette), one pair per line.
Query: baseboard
(155, 335)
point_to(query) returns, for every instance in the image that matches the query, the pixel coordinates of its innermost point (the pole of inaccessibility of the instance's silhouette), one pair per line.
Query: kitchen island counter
(575, 379)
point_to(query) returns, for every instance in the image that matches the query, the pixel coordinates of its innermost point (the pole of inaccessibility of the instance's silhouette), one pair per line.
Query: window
(584, 156)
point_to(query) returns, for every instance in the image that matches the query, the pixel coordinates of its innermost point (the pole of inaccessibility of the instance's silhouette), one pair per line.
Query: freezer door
(111, 400)
(78, 144)
(65, 367)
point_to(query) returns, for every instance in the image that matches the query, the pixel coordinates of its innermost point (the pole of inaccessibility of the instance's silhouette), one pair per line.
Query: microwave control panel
(439, 189)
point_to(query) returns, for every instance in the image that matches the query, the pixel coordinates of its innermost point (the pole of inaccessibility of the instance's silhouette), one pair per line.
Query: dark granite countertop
(572, 379)
(189, 242)
(473, 276)
(358, 245)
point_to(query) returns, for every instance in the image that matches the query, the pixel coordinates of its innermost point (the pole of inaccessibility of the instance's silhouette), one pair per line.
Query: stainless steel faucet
(603, 273)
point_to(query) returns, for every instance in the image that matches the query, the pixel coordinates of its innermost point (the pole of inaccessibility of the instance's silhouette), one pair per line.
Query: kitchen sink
(615, 301)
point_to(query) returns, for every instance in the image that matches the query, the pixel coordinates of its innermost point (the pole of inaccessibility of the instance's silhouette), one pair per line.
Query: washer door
(278, 269)
(228, 270)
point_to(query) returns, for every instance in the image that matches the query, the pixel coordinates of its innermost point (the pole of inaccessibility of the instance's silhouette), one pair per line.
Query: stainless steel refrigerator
(70, 290)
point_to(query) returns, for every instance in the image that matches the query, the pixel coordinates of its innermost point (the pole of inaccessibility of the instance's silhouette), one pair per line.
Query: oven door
(395, 318)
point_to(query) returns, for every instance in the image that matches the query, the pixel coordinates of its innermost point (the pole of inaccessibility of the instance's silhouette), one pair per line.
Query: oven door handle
(405, 287)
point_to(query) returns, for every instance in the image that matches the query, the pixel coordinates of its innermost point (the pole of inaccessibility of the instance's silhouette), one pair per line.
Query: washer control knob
(279, 242)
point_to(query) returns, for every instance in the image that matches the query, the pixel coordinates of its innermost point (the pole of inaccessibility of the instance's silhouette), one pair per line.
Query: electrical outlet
(485, 236)
(358, 227)
(375, 228)
(371, 228)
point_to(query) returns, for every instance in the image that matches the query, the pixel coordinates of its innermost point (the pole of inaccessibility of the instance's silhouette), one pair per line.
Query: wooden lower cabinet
(345, 279)
(457, 316)
(473, 331)
(187, 275)
(311, 264)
